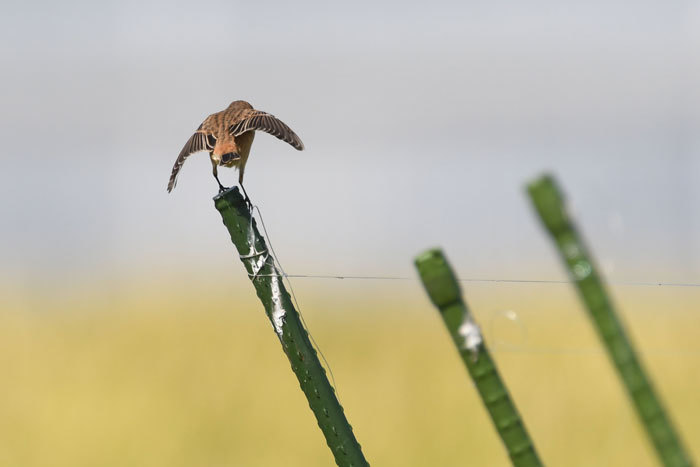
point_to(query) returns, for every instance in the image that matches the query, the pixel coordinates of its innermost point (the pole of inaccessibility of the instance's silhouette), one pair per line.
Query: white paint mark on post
(278, 311)
(471, 333)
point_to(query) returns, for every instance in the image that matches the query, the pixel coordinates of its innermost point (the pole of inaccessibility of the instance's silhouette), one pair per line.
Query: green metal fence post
(287, 324)
(444, 291)
(549, 203)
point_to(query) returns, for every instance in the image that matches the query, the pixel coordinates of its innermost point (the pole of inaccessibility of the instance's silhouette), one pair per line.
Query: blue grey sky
(422, 123)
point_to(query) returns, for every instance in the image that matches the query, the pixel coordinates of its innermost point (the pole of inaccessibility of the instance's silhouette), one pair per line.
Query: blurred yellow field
(147, 378)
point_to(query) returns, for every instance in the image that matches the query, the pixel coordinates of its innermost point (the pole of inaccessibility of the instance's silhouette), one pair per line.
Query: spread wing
(256, 120)
(199, 141)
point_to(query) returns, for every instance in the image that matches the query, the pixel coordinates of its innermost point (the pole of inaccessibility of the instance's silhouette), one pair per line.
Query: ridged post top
(550, 204)
(232, 196)
(437, 276)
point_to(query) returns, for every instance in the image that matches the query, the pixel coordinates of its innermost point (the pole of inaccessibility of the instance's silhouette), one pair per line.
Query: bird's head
(229, 157)
(239, 105)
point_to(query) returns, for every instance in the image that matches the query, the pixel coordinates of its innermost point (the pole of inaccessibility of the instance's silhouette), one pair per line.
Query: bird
(228, 136)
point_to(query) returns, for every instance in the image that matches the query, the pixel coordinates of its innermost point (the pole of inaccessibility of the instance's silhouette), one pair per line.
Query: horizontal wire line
(507, 281)
(523, 349)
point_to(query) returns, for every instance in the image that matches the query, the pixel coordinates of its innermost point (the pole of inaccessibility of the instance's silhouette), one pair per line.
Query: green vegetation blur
(168, 375)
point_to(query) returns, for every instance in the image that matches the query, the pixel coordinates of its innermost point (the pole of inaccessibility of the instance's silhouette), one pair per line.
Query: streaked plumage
(228, 135)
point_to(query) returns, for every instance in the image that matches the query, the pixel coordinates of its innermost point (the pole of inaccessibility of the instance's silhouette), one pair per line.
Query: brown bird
(228, 135)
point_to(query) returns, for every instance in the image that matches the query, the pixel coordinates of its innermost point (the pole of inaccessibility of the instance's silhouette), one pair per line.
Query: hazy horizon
(421, 129)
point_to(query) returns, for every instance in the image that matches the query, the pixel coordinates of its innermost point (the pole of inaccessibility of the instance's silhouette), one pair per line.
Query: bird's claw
(249, 203)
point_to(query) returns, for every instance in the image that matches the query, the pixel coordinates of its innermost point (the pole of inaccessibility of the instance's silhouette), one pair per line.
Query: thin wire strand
(523, 349)
(505, 281)
(275, 259)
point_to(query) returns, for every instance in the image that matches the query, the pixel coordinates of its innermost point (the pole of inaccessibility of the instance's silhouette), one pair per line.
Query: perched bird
(228, 135)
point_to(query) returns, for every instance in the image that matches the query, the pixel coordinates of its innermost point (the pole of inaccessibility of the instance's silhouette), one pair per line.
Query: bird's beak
(228, 157)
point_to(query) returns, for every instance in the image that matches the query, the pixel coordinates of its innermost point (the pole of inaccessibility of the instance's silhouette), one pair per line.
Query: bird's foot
(222, 188)
(249, 203)
(247, 199)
